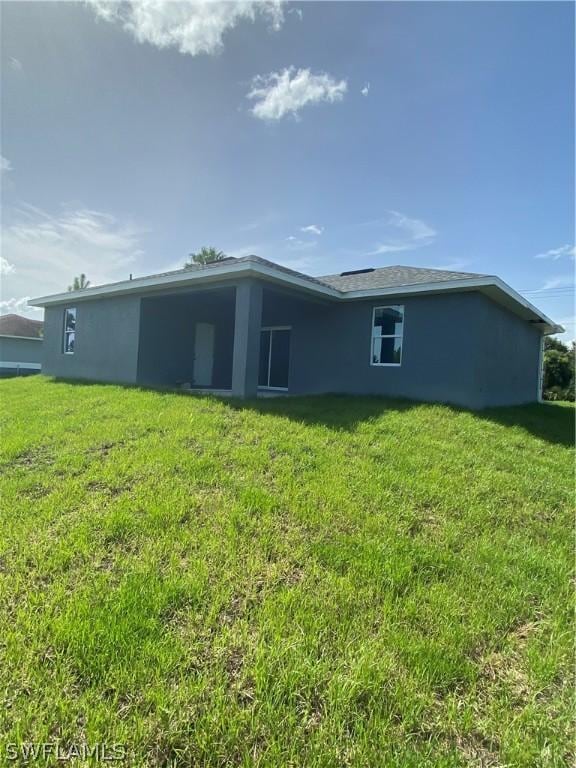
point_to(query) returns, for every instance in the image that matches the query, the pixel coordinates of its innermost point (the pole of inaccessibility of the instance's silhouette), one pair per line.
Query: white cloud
(558, 253)
(191, 26)
(402, 233)
(568, 323)
(17, 306)
(287, 92)
(415, 228)
(562, 281)
(15, 64)
(314, 229)
(5, 267)
(47, 251)
(5, 164)
(384, 248)
(365, 90)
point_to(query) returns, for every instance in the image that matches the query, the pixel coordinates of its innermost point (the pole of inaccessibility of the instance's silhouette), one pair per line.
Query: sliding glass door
(274, 357)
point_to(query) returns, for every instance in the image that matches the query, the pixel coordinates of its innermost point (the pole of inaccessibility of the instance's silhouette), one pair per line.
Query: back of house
(248, 326)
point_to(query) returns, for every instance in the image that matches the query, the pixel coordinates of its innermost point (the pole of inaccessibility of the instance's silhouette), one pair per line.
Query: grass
(311, 582)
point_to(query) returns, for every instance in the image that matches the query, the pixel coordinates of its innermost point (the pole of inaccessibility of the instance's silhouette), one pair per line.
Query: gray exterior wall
(106, 347)
(460, 348)
(14, 349)
(510, 348)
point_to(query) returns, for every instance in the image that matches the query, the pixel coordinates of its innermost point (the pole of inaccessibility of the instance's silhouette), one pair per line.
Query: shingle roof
(343, 286)
(280, 268)
(213, 265)
(385, 277)
(251, 259)
(16, 325)
(392, 277)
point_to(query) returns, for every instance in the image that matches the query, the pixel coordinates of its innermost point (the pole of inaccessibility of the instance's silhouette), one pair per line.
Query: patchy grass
(312, 582)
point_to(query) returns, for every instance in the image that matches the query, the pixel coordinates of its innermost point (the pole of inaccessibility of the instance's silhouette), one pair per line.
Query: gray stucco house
(20, 345)
(247, 326)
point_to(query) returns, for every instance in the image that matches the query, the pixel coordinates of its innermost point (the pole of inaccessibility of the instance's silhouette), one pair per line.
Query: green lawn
(294, 582)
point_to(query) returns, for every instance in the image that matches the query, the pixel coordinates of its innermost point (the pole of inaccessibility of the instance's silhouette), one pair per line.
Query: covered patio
(230, 339)
(186, 339)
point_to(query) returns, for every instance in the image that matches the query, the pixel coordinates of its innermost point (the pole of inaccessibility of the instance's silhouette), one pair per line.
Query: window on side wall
(387, 333)
(69, 330)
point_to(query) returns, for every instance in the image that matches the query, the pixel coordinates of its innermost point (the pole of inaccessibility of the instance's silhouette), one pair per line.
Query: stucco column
(247, 321)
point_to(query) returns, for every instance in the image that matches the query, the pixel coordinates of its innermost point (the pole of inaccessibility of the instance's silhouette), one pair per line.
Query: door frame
(275, 328)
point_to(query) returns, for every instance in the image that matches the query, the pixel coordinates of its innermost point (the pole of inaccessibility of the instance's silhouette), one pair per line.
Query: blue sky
(325, 136)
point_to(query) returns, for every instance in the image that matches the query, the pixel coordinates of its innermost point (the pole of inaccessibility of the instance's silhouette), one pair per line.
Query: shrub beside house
(559, 360)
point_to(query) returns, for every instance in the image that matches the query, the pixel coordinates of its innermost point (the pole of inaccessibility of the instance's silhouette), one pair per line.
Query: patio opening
(187, 340)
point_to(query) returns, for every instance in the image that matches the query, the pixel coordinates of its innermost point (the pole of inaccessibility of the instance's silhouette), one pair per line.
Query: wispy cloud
(5, 164)
(287, 92)
(15, 64)
(560, 281)
(453, 266)
(366, 90)
(385, 248)
(5, 267)
(314, 229)
(401, 233)
(568, 323)
(558, 253)
(17, 306)
(45, 251)
(192, 27)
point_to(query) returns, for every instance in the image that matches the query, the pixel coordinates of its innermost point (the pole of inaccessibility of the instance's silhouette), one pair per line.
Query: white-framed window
(387, 333)
(69, 338)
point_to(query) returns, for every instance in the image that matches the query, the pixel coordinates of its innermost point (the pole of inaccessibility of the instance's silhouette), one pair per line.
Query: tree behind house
(205, 256)
(80, 283)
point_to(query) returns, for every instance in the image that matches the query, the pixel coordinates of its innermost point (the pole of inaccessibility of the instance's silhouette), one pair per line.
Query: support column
(247, 321)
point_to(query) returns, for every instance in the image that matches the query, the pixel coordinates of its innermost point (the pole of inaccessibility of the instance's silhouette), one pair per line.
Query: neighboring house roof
(356, 284)
(16, 325)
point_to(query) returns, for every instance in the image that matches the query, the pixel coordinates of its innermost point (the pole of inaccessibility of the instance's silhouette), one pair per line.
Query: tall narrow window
(69, 330)
(387, 332)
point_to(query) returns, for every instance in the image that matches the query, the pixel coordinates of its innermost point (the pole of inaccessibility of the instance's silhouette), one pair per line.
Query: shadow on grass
(552, 422)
